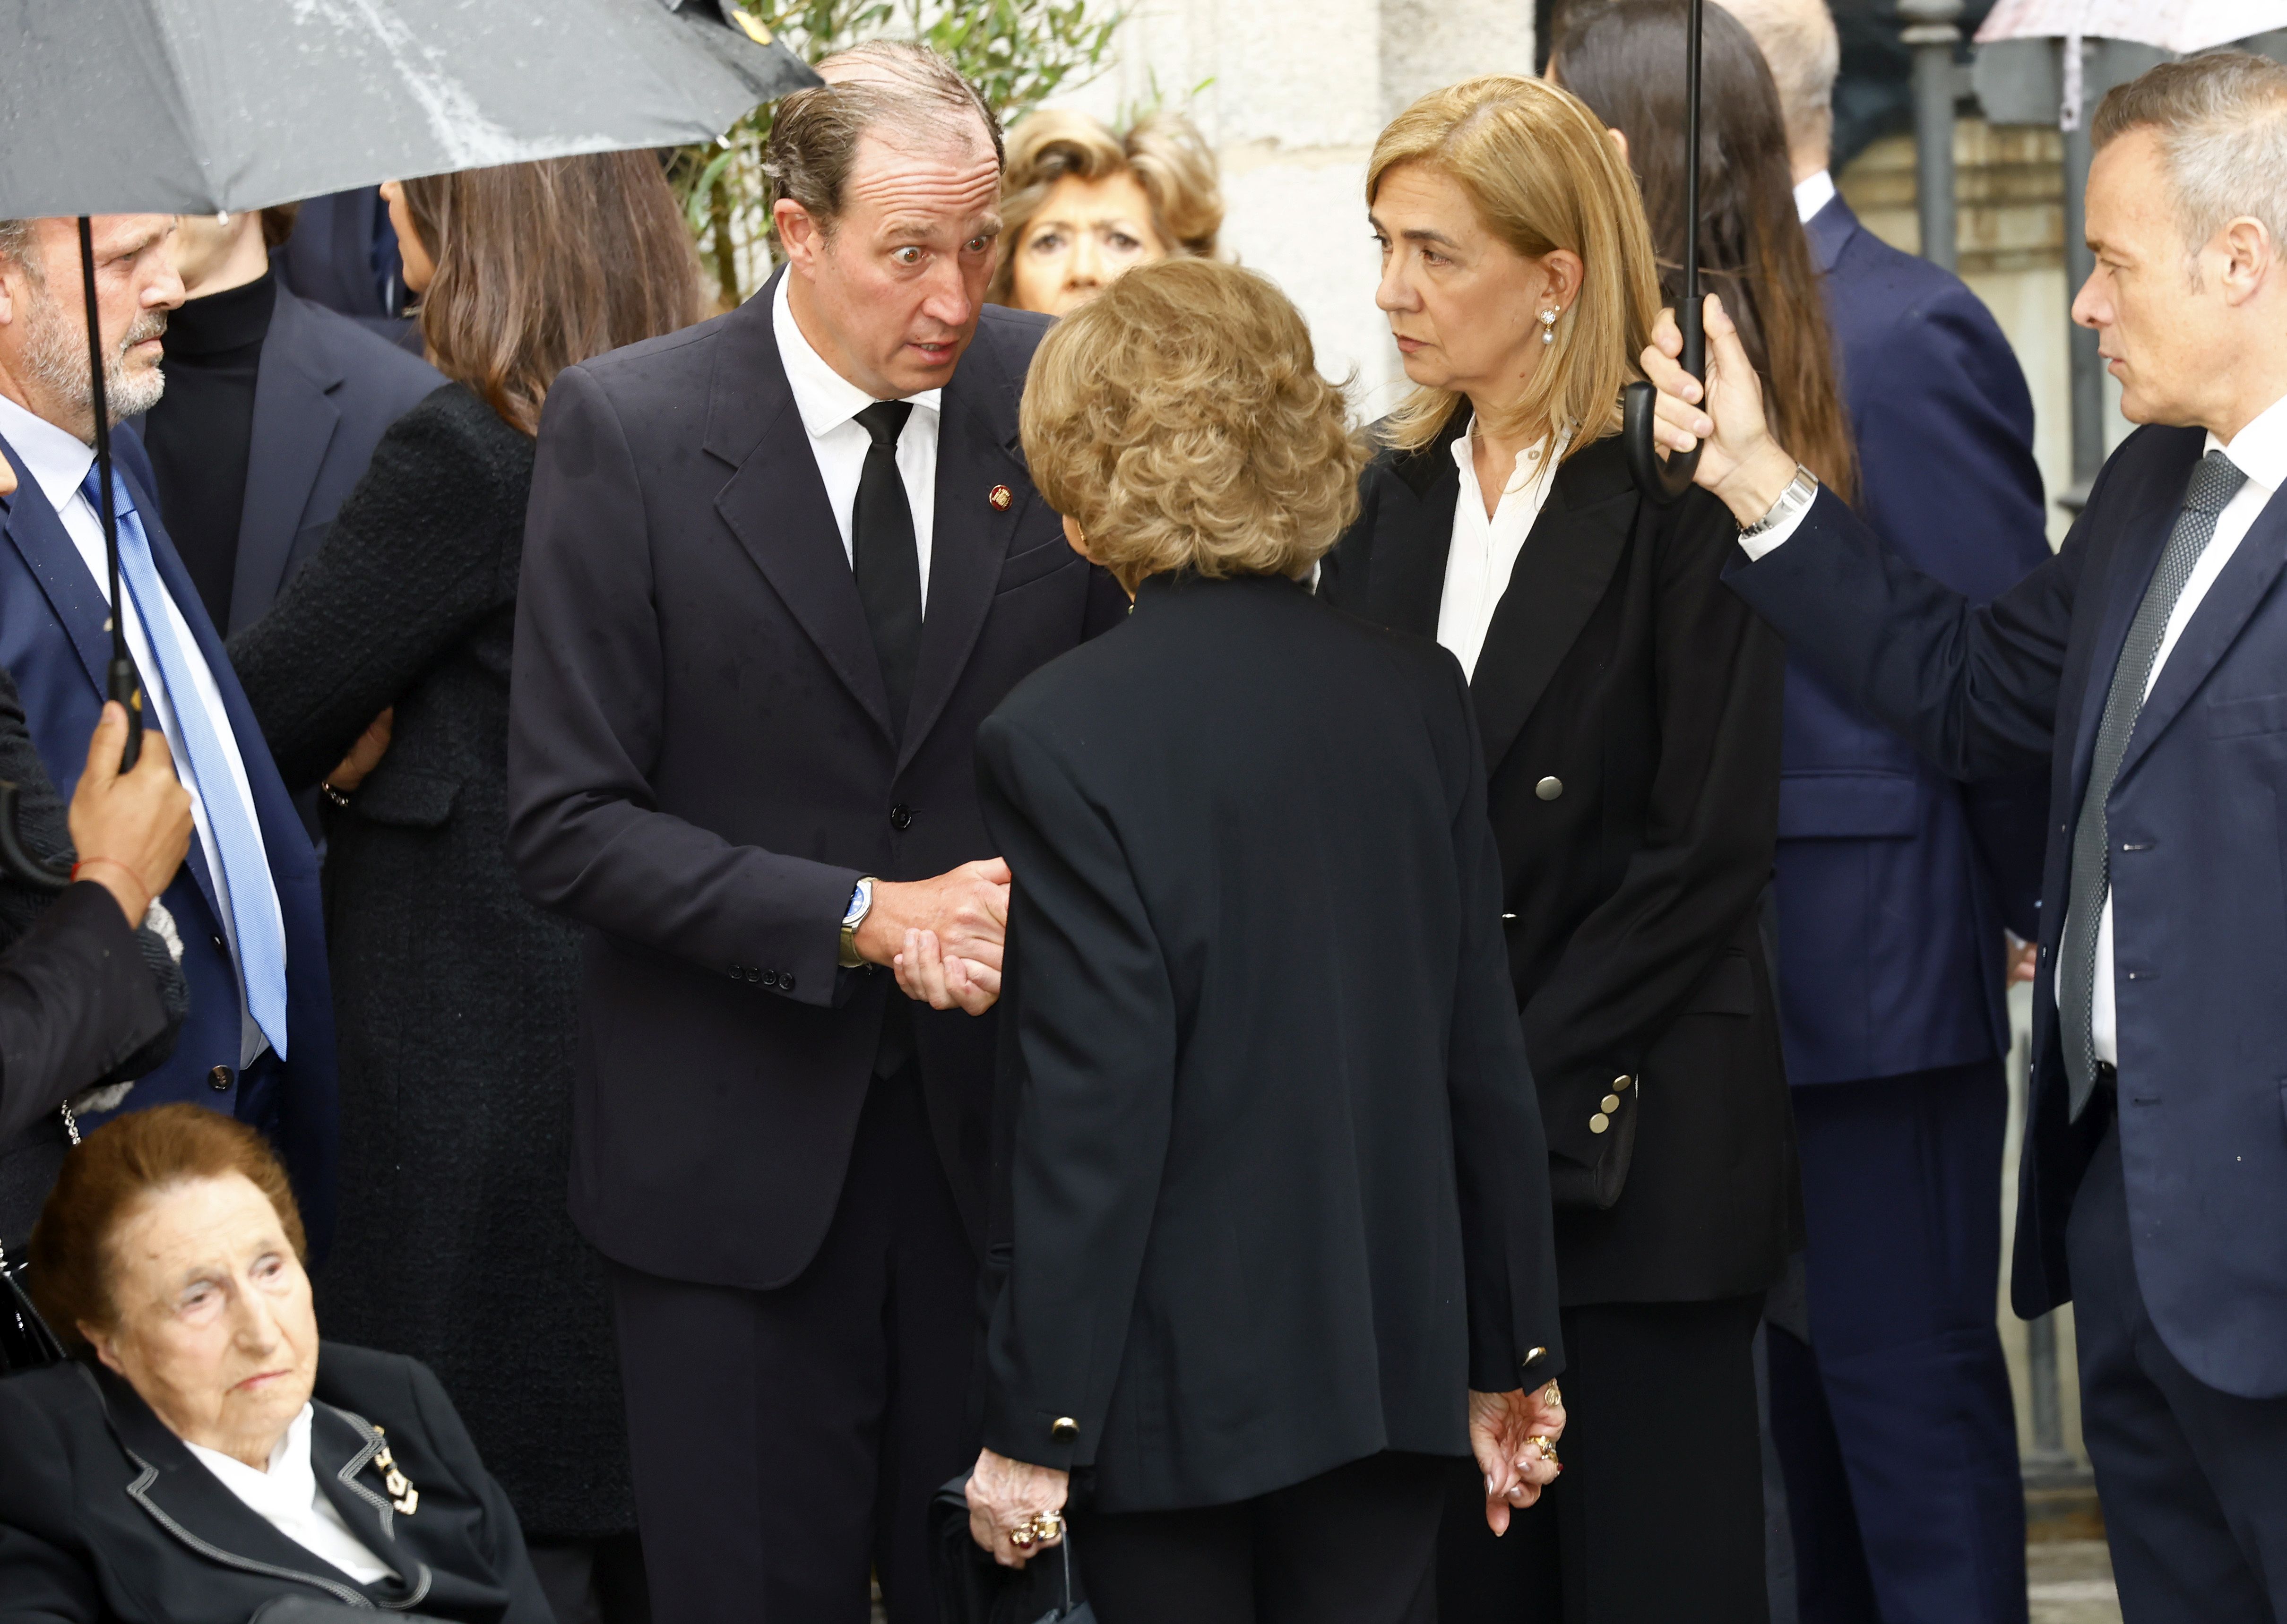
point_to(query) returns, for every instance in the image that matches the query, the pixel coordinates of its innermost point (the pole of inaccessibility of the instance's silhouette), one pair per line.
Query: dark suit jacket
(329, 261)
(1894, 881)
(1277, 1188)
(2199, 900)
(702, 765)
(1630, 715)
(53, 643)
(106, 1518)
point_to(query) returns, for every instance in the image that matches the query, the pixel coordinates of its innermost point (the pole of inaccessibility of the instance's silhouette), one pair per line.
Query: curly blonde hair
(1179, 418)
(1162, 150)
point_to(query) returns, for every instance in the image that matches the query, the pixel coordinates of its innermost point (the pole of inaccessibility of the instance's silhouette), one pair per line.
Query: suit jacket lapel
(1560, 577)
(293, 423)
(968, 541)
(76, 601)
(1829, 230)
(1405, 574)
(2208, 635)
(775, 504)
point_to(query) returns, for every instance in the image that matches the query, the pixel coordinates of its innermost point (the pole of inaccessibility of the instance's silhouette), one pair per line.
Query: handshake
(943, 936)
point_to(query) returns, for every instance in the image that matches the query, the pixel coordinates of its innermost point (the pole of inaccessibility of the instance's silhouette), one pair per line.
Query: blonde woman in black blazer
(1629, 707)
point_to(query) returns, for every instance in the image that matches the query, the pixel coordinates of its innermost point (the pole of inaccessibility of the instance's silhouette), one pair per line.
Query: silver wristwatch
(862, 903)
(1802, 491)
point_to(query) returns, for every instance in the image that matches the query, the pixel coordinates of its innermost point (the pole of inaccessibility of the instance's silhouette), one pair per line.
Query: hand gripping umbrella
(1666, 481)
(212, 106)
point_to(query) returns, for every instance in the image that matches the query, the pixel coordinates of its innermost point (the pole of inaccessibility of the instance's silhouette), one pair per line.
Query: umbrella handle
(16, 860)
(125, 688)
(1664, 481)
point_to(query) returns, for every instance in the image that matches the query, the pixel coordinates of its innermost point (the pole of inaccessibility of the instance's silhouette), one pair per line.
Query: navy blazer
(325, 391)
(53, 642)
(2198, 883)
(1894, 881)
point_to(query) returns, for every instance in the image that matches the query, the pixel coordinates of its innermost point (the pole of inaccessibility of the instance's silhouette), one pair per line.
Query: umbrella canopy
(2181, 26)
(200, 106)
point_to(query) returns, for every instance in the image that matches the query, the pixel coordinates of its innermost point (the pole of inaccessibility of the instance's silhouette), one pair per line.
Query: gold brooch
(1001, 496)
(402, 1495)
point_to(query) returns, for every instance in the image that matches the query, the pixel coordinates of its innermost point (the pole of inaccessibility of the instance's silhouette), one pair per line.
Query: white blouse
(1484, 552)
(287, 1498)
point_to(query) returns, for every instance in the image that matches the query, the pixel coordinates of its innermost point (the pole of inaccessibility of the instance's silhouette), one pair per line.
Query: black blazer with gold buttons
(106, 1517)
(1629, 706)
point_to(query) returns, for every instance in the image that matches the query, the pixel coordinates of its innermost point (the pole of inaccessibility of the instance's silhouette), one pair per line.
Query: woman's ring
(1546, 1445)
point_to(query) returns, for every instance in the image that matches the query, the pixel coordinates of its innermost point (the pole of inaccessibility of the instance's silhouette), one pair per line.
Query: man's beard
(55, 355)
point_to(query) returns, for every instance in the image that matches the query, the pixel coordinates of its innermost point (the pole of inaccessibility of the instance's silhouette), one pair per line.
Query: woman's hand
(929, 974)
(130, 828)
(1016, 1510)
(366, 754)
(1513, 1436)
(1739, 459)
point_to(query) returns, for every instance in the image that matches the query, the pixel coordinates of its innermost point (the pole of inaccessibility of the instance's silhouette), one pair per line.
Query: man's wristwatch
(862, 903)
(1802, 491)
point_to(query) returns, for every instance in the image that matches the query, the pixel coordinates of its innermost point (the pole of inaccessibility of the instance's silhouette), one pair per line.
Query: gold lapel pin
(402, 1495)
(1001, 496)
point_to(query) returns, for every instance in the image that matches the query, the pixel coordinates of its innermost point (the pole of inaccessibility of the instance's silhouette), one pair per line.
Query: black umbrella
(210, 107)
(1666, 481)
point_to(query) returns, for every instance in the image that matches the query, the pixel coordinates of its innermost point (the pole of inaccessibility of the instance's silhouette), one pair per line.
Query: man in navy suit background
(1894, 1424)
(2146, 663)
(258, 1040)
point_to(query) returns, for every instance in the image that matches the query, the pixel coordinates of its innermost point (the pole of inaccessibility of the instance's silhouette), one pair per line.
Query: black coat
(701, 767)
(453, 994)
(106, 1518)
(84, 998)
(1278, 1192)
(1630, 710)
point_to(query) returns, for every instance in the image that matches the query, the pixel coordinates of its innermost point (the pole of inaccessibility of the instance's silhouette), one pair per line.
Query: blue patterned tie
(2215, 481)
(201, 760)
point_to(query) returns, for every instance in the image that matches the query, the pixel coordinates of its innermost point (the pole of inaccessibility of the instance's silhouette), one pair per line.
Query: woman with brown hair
(1081, 203)
(453, 996)
(1628, 704)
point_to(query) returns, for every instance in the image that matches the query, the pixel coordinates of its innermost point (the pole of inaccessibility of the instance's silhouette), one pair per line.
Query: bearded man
(246, 900)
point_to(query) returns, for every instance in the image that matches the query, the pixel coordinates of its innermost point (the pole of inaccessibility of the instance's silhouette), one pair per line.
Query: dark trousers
(1659, 1515)
(784, 1442)
(1896, 1426)
(2193, 1481)
(1356, 1545)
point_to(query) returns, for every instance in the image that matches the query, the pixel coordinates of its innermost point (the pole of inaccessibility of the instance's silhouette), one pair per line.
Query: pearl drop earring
(1548, 326)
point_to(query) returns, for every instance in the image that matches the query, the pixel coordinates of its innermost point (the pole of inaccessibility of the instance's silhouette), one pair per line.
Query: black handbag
(26, 1341)
(973, 1588)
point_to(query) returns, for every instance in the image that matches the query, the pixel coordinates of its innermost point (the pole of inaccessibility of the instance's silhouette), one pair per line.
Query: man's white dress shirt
(830, 404)
(1812, 193)
(2259, 451)
(1484, 552)
(287, 1498)
(58, 460)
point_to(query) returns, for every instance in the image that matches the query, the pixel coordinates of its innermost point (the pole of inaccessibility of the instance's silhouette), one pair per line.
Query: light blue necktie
(238, 841)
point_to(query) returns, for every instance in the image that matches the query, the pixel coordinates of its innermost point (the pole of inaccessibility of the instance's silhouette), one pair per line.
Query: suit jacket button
(770, 978)
(1550, 789)
(1536, 1356)
(220, 1079)
(1620, 1085)
(737, 971)
(1599, 1122)
(1063, 1428)
(901, 817)
(786, 980)
(1611, 1102)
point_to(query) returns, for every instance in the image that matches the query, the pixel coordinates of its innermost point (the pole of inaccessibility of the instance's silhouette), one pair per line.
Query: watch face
(861, 899)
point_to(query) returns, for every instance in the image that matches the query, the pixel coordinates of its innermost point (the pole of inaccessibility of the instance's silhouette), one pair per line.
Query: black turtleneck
(201, 431)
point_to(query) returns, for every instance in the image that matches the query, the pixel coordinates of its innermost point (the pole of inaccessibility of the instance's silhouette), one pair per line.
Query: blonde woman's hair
(1544, 176)
(1179, 418)
(1162, 150)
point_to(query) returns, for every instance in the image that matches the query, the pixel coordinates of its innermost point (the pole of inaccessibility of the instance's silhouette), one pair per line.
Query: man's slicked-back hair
(2220, 119)
(905, 92)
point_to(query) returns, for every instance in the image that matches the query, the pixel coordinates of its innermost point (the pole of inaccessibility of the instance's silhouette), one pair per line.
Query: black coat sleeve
(413, 563)
(1094, 1102)
(1500, 1152)
(1710, 830)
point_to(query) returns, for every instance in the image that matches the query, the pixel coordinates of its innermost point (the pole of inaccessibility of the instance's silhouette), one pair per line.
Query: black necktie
(883, 553)
(2215, 481)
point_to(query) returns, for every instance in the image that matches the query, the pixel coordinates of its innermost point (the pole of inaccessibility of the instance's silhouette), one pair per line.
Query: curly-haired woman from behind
(454, 997)
(1278, 1248)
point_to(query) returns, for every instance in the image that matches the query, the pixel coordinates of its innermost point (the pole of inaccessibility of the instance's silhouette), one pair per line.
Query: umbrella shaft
(99, 403)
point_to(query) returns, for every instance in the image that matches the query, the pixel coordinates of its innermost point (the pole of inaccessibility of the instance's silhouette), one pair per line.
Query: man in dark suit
(343, 254)
(777, 568)
(2143, 662)
(274, 406)
(1895, 1423)
(258, 1041)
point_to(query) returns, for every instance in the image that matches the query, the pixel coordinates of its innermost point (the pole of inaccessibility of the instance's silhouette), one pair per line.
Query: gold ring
(1047, 1528)
(1546, 1445)
(1022, 1536)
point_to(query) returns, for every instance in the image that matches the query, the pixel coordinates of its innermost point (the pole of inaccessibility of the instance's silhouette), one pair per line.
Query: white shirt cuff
(1770, 541)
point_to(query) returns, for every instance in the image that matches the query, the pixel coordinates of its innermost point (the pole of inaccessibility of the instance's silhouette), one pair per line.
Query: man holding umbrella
(258, 1041)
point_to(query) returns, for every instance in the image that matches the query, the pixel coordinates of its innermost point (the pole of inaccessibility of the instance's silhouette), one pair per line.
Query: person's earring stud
(1548, 326)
